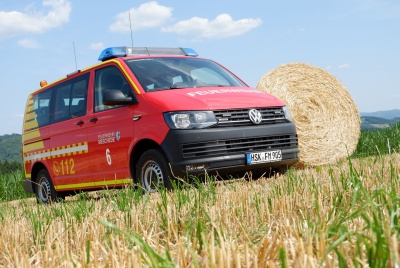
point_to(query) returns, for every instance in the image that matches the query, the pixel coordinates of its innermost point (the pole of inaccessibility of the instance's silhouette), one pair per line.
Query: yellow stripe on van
(31, 135)
(30, 121)
(93, 184)
(30, 116)
(30, 100)
(30, 105)
(31, 125)
(33, 146)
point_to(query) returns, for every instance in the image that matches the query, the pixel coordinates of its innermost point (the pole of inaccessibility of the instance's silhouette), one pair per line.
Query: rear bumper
(221, 150)
(28, 187)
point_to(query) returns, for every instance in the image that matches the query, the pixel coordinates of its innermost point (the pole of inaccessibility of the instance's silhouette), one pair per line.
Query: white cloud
(222, 26)
(28, 43)
(147, 15)
(16, 23)
(344, 66)
(97, 46)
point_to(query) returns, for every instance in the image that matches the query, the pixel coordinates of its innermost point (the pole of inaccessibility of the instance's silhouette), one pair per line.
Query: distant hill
(390, 114)
(11, 148)
(373, 122)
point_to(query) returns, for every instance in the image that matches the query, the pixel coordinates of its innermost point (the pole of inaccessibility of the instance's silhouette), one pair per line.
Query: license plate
(263, 157)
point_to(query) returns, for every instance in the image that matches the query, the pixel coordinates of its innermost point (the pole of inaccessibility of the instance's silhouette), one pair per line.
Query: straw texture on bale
(326, 117)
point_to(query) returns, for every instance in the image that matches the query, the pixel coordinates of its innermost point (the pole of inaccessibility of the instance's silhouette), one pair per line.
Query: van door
(111, 130)
(70, 162)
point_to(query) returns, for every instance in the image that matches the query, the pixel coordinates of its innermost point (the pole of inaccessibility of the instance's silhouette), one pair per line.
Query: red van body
(149, 117)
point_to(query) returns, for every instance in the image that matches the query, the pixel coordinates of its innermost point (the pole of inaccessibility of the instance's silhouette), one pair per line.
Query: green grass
(377, 209)
(379, 142)
(11, 186)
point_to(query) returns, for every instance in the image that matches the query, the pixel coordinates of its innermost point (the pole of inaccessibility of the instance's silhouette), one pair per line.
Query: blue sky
(357, 41)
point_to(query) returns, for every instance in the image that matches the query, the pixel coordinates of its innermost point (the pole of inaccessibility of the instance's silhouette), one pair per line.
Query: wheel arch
(35, 170)
(140, 147)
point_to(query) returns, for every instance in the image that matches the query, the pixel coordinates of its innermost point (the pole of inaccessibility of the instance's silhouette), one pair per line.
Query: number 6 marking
(108, 156)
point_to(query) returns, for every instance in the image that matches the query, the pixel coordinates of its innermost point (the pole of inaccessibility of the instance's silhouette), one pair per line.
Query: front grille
(236, 146)
(236, 118)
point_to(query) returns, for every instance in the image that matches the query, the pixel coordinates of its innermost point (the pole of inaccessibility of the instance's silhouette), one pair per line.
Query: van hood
(212, 98)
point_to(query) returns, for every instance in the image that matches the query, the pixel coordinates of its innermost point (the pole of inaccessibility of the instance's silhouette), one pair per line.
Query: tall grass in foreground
(345, 215)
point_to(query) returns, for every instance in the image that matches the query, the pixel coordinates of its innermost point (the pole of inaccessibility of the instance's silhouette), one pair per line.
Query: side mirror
(113, 97)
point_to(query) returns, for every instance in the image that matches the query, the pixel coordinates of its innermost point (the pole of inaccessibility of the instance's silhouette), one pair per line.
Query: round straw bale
(326, 118)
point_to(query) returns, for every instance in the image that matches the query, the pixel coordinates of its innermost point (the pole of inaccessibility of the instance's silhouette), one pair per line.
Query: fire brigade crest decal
(109, 137)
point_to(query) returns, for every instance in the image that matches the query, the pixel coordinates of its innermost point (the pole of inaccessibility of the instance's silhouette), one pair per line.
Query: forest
(10, 153)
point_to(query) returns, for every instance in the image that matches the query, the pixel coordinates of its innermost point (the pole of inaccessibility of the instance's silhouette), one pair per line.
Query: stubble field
(346, 215)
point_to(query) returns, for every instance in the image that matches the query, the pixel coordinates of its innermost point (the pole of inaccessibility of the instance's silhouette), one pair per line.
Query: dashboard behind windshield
(156, 74)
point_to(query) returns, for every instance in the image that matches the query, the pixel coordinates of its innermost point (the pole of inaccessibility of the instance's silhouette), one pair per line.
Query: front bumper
(199, 151)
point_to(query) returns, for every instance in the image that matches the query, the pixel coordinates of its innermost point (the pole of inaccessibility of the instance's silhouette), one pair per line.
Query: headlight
(288, 116)
(190, 119)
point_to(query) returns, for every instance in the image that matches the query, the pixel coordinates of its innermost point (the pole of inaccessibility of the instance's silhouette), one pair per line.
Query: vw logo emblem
(255, 116)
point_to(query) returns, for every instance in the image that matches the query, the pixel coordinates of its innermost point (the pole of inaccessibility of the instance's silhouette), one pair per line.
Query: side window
(105, 79)
(79, 98)
(61, 110)
(70, 100)
(42, 105)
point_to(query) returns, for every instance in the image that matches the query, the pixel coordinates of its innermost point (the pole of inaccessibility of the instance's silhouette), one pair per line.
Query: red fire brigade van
(149, 115)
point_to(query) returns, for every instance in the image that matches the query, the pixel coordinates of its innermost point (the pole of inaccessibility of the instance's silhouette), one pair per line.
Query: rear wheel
(45, 192)
(152, 171)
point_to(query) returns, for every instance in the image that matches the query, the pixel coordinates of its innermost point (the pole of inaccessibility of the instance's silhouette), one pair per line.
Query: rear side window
(62, 102)
(41, 104)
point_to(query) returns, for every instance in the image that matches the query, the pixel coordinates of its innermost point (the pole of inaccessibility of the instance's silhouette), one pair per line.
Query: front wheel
(45, 192)
(153, 172)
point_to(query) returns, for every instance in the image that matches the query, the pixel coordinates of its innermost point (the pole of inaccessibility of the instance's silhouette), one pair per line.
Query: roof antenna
(130, 26)
(76, 64)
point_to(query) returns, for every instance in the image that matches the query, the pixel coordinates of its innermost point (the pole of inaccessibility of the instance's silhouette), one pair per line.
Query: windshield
(170, 73)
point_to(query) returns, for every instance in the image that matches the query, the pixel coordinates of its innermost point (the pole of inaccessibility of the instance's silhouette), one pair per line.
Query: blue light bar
(189, 51)
(115, 52)
(112, 52)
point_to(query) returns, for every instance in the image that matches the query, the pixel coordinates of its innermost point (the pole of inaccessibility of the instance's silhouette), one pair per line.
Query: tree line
(10, 149)
(8, 167)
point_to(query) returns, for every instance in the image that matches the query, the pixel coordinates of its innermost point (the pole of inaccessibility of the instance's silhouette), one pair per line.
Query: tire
(44, 190)
(152, 171)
